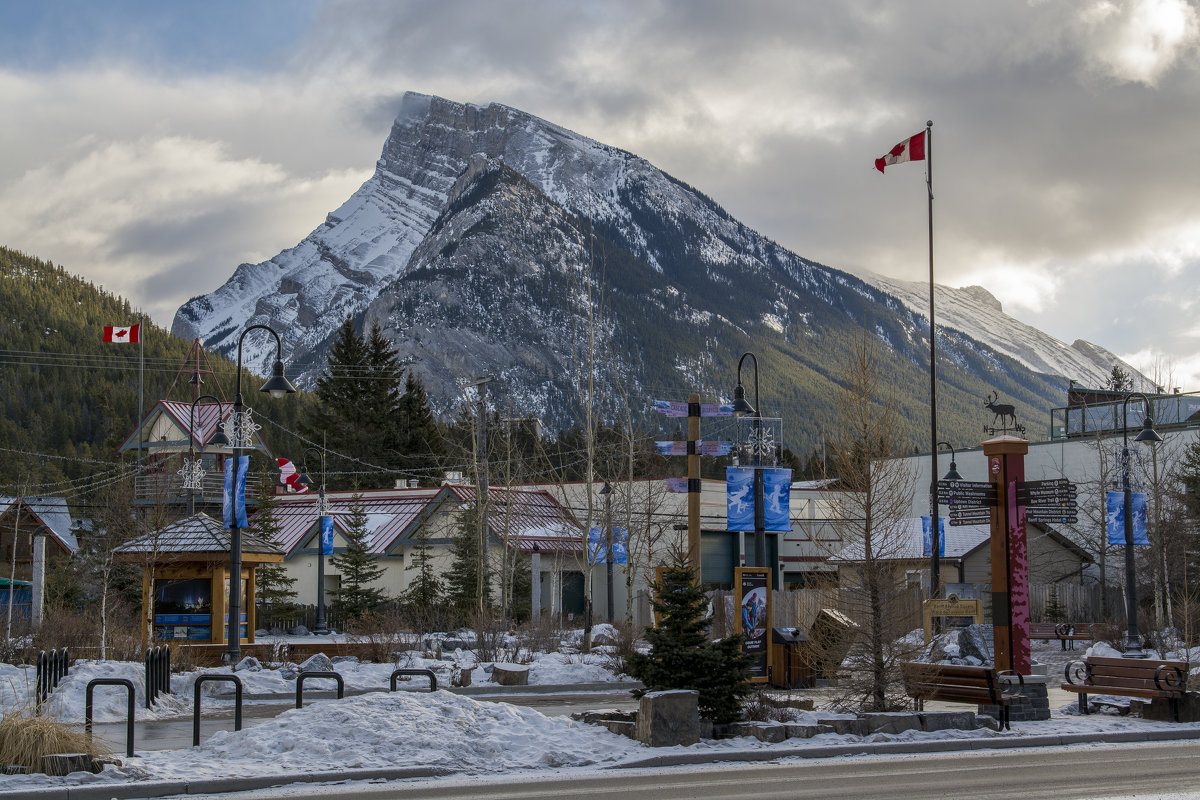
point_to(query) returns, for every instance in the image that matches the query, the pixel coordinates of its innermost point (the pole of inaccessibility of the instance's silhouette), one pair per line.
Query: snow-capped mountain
(489, 241)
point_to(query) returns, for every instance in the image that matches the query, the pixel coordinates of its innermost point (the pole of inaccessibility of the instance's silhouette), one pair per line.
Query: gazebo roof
(199, 537)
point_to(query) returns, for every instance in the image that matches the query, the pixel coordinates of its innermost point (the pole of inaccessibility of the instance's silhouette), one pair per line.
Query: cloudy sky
(152, 147)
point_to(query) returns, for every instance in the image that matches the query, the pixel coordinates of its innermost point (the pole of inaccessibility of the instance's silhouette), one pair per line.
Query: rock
(317, 663)
(987, 721)
(278, 631)
(947, 720)
(668, 718)
(808, 731)
(510, 674)
(846, 727)
(289, 671)
(261, 632)
(65, 763)
(892, 721)
(248, 664)
(799, 703)
(345, 659)
(772, 732)
(972, 644)
(299, 630)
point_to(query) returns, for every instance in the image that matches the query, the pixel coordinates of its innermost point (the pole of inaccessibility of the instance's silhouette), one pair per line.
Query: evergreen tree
(425, 590)
(1119, 380)
(357, 566)
(274, 588)
(421, 440)
(682, 657)
(463, 579)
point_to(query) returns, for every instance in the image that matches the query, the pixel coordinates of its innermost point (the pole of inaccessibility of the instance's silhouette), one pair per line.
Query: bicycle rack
(87, 714)
(158, 673)
(51, 668)
(237, 702)
(303, 676)
(428, 673)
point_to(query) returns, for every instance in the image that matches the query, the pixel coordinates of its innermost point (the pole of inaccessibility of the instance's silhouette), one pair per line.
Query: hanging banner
(679, 448)
(927, 537)
(233, 503)
(752, 588)
(739, 498)
(679, 408)
(1115, 518)
(326, 536)
(597, 549)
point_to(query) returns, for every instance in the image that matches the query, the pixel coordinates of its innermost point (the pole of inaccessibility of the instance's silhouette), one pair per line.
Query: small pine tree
(273, 587)
(425, 590)
(463, 579)
(1054, 607)
(682, 657)
(357, 566)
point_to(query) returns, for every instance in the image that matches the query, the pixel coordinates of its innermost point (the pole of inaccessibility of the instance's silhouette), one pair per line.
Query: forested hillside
(70, 399)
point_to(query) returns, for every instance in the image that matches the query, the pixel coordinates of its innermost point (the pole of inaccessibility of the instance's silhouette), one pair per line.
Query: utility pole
(482, 482)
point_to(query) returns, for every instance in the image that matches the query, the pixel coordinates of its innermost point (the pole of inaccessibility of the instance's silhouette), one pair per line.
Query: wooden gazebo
(185, 578)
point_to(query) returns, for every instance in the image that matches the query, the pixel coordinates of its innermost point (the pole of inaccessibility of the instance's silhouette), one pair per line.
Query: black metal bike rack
(158, 673)
(51, 668)
(303, 676)
(237, 702)
(87, 714)
(427, 673)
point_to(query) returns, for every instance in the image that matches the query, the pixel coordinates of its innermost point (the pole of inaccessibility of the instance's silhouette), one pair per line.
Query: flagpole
(935, 565)
(141, 390)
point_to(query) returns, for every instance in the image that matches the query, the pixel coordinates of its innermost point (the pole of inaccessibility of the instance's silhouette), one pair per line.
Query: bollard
(237, 702)
(341, 685)
(87, 714)
(428, 673)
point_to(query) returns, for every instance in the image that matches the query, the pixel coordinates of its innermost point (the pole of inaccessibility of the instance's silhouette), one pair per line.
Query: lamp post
(935, 564)
(193, 472)
(606, 493)
(243, 436)
(1133, 639)
(740, 406)
(322, 512)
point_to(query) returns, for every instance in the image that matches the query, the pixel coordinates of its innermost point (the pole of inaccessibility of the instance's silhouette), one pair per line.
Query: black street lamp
(606, 493)
(322, 512)
(243, 436)
(193, 473)
(740, 406)
(1133, 639)
(935, 564)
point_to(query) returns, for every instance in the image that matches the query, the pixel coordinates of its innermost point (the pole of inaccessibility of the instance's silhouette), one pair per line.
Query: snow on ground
(440, 730)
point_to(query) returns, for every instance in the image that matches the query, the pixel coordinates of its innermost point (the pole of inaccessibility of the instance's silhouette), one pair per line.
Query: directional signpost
(1049, 501)
(970, 502)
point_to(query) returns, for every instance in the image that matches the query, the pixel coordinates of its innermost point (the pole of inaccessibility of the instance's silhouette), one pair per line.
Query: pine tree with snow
(357, 566)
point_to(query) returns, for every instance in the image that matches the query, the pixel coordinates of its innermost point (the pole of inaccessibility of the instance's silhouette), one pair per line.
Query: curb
(902, 748)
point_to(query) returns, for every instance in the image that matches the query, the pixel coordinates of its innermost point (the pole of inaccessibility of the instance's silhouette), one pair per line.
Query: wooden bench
(1128, 677)
(962, 684)
(1067, 633)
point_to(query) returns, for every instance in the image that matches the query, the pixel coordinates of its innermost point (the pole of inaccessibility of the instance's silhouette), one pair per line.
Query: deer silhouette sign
(1002, 411)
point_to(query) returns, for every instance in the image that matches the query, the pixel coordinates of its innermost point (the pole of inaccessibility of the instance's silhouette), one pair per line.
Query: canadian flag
(121, 333)
(288, 476)
(911, 149)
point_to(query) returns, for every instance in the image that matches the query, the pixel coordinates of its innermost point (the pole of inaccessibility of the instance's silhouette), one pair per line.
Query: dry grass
(26, 737)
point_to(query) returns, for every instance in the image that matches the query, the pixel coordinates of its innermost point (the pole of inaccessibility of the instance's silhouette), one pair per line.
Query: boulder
(668, 718)
(65, 763)
(947, 720)
(318, 662)
(892, 721)
(808, 731)
(972, 645)
(510, 674)
(299, 630)
(248, 664)
(846, 726)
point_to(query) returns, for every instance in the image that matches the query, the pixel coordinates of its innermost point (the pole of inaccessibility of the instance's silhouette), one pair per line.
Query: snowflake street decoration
(192, 473)
(240, 429)
(761, 440)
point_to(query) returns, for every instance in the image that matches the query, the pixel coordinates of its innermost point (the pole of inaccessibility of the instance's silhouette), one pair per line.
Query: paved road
(1156, 770)
(176, 734)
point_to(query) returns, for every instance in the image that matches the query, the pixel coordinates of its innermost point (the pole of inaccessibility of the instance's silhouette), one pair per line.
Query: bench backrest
(951, 682)
(1138, 673)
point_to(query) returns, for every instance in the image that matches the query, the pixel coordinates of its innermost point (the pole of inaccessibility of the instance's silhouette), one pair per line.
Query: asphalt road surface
(1141, 771)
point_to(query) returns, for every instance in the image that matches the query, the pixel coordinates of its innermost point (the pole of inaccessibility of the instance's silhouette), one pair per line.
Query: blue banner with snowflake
(1115, 518)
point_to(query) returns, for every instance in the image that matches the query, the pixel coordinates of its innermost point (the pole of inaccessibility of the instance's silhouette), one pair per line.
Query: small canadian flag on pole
(121, 333)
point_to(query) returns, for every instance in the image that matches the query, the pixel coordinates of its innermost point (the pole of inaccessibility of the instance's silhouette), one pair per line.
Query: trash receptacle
(791, 658)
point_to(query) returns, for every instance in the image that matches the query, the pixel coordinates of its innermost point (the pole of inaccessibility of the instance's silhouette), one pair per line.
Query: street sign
(1069, 519)
(967, 497)
(1045, 493)
(956, 521)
